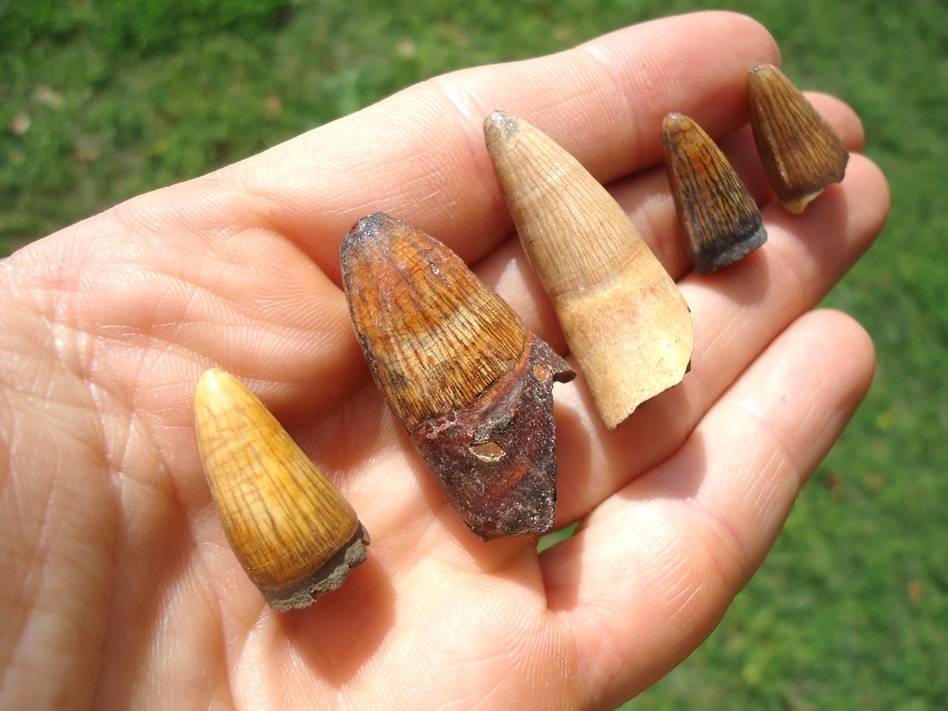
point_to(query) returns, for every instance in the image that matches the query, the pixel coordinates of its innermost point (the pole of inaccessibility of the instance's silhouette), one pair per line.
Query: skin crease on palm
(119, 588)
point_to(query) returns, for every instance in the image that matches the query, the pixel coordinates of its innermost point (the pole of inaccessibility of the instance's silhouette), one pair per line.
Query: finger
(208, 254)
(420, 154)
(657, 564)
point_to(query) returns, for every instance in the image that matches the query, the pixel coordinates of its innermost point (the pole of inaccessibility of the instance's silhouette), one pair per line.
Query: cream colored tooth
(624, 319)
(294, 534)
(800, 151)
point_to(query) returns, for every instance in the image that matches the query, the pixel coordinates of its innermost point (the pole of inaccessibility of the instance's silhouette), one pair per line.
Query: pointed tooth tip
(213, 379)
(368, 246)
(218, 392)
(214, 385)
(372, 222)
(763, 74)
(675, 124)
(365, 228)
(499, 118)
(501, 125)
(763, 69)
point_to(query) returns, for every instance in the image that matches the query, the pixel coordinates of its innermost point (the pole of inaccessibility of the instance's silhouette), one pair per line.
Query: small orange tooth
(471, 386)
(720, 222)
(622, 314)
(292, 531)
(800, 151)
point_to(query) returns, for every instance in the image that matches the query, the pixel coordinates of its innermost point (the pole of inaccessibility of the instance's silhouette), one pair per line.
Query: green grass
(99, 102)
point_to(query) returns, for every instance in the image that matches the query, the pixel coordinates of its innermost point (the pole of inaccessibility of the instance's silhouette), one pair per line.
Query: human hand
(120, 590)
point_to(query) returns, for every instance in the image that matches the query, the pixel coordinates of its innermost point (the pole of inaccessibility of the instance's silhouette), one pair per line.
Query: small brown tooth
(624, 319)
(720, 222)
(472, 387)
(292, 531)
(800, 151)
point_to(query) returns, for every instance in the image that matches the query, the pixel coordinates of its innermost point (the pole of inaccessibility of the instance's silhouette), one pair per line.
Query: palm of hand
(139, 599)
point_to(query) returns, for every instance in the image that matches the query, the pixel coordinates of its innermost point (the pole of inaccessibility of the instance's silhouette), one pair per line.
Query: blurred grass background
(101, 100)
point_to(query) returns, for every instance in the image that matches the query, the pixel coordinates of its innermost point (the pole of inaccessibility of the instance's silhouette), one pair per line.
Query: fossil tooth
(471, 386)
(624, 319)
(720, 222)
(800, 151)
(292, 531)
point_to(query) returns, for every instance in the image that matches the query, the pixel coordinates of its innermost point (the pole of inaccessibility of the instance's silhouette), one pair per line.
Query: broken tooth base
(705, 264)
(611, 329)
(329, 576)
(796, 206)
(495, 459)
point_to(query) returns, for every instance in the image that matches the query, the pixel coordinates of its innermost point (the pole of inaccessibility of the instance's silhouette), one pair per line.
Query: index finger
(420, 154)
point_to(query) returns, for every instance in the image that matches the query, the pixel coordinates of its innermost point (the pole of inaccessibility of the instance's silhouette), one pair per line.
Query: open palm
(119, 590)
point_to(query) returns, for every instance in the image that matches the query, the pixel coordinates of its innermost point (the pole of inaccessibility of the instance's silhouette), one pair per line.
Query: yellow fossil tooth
(294, 534)
(720, 222)
(800, 151)
(624, 319)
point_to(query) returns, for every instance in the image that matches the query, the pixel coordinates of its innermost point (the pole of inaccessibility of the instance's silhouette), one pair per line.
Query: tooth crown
(800, 151)
(720, 222)
(541, 207)
(624, 319)
(282, 517)
(435, 336)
